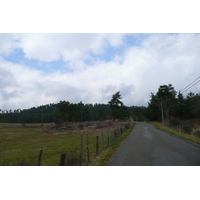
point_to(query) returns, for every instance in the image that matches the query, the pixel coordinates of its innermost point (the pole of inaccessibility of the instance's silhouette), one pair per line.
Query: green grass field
(21, 145)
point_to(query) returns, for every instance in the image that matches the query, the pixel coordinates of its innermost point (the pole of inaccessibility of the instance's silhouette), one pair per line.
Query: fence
(91, 145)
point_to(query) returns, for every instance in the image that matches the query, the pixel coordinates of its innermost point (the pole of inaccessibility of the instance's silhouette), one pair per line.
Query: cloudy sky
(38, 69)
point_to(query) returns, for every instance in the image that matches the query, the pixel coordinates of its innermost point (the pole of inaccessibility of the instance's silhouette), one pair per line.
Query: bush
(72, 157)
(173, 121)
(187, 128)
(183, 126)
(80, 126)
(197, 133)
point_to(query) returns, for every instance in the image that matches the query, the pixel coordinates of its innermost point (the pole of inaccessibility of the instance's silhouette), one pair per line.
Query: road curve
(149, 146)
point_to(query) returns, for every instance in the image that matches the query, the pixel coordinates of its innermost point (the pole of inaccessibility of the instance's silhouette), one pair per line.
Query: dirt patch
(84, 127)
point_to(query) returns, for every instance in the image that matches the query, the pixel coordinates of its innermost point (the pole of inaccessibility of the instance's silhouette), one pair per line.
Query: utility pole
(42, 116)
(163, 121)
(81, 111)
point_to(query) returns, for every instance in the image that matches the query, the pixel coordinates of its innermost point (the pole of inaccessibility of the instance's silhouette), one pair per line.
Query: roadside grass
(188, 137)
(105, 156)
(21, 145)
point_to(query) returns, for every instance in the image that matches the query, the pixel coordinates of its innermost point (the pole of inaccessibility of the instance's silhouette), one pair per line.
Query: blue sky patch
(18, 57)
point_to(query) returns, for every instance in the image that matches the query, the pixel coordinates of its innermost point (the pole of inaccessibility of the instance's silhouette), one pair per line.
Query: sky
(38, 69)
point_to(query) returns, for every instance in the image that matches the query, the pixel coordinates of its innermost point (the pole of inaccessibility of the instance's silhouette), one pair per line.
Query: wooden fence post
(62, 159)
(88, 154)
(81, 149)
(107, 139)
(87, 148)
(113, 136)
(87, 139)
(102, 141)
(97, 145)
(40, 156)
(121, 130)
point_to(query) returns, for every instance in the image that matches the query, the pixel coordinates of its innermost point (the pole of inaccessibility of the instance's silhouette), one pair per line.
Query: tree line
(167, 103)
(73, 112)
(162, 106)
(40, 114)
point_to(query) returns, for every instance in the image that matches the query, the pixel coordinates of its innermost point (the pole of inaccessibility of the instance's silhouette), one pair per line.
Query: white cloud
(164, 59)
(69, 47)
(7, 79)
(126, 91)
(138, 71)
(7, 43)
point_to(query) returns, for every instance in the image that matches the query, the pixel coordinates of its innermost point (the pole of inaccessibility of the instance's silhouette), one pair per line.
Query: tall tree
(153, 111)
(119, 111)
(63, 110)
(167, 96)
(196, 106)
(180, 107)
(164, 102)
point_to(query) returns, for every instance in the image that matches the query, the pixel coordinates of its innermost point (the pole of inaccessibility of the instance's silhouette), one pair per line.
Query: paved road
(148, 146)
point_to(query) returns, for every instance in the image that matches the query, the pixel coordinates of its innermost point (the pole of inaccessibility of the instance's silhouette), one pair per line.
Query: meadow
(20, 145)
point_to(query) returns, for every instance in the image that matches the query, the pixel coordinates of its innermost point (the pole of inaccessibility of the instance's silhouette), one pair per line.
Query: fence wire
(89, 144)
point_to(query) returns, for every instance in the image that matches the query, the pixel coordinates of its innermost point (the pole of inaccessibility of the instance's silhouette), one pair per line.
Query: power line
(190, 85)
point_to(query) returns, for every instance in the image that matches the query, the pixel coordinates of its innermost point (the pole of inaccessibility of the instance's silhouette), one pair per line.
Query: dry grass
(84, 127)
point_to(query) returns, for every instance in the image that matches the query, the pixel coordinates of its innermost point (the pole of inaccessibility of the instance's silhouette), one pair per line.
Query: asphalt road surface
(149, 146)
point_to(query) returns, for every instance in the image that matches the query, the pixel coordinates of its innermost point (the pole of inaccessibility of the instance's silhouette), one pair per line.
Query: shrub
(72, 157)
(197, 133)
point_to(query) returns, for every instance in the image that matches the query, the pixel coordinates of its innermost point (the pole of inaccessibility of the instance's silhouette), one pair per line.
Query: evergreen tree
(164, 101)
(118, 109)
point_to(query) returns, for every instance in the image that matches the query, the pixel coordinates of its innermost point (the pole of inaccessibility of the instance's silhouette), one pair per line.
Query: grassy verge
(104, 157)
(179, 134)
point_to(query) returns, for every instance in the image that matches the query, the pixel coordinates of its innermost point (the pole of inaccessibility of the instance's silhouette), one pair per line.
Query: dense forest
(69, 112)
